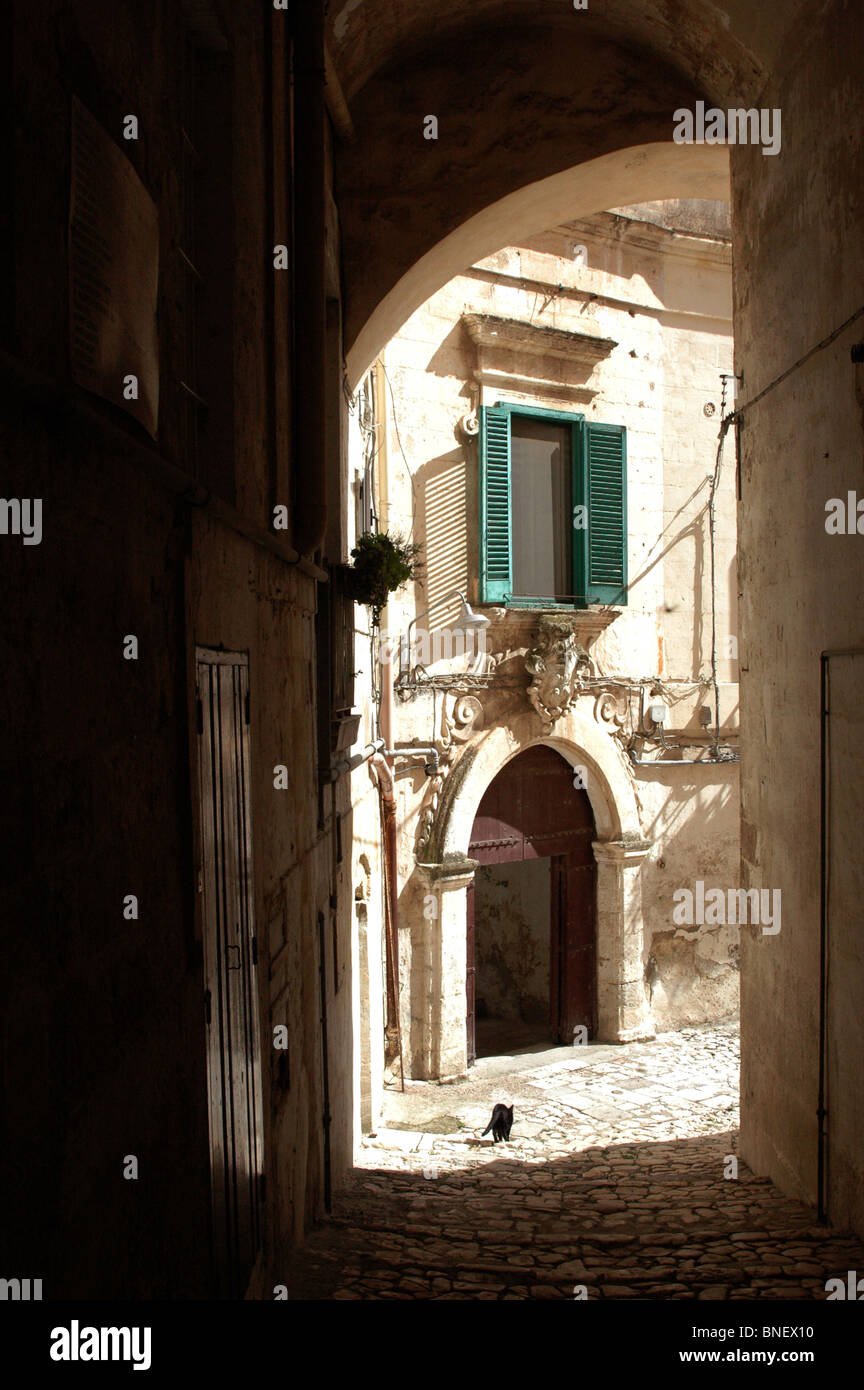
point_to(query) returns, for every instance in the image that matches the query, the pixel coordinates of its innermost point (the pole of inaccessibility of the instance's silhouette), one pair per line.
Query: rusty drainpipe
(386, 793)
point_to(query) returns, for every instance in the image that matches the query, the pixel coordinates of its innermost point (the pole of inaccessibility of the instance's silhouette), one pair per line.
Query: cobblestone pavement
(613, 1186)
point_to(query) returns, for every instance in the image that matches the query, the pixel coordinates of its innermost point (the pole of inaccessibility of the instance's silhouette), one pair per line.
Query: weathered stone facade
(637, 336)
(151, 537)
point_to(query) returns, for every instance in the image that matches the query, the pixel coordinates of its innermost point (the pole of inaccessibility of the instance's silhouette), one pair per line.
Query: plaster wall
(798, 224)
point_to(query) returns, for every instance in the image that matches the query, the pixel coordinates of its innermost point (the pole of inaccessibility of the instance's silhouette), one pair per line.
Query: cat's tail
(486, 1130)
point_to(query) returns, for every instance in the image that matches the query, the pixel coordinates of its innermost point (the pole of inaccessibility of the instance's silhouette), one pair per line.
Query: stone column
(447, 1051)
(623, 1014)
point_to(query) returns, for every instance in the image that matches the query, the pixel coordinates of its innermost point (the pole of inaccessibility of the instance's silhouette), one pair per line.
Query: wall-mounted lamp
(467, 620)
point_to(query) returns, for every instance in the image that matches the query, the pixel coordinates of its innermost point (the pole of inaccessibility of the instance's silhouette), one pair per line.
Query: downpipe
(386, 792)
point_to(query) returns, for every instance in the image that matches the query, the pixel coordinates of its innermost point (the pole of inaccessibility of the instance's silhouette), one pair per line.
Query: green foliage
(383, 563)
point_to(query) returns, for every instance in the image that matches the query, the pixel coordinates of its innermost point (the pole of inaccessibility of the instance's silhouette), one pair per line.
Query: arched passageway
(531, 957)
(542, 112)
(523, 94)
(634, 174)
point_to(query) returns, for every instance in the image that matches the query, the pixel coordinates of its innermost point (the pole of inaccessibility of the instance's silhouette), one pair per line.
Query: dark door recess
(230, 965)
(533, 811)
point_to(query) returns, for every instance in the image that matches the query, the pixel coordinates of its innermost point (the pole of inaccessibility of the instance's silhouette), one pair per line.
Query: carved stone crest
(557, 664)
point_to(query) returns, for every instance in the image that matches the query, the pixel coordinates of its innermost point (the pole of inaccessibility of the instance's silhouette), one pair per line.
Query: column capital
(453, 872)
(624, 852)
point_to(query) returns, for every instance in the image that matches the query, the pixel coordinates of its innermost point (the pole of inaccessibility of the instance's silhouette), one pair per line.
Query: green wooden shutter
(495, 533)
(605, 493)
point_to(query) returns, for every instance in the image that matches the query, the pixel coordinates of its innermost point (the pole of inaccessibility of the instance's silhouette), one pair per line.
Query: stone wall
(797, 222)
(106, 1023)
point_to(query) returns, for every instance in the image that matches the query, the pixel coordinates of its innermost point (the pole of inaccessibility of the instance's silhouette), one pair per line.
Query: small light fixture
(467, 619)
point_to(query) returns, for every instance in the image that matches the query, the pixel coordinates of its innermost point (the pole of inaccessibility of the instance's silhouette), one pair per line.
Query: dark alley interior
(431, 438)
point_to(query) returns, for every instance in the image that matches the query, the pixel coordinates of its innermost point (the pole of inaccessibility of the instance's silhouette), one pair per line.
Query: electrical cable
(401, 449)
(817, 347)
(712, 525)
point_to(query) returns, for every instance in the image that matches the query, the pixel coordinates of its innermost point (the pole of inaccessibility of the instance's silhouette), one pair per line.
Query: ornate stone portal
(561, 699)
(437, 1026)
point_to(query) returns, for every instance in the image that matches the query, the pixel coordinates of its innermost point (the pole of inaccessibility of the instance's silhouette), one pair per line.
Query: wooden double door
(533, 810)
(231, 966)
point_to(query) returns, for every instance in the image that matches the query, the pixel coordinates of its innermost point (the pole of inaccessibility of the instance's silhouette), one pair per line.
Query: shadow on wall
(691, 972)
(694, 526)
(452, 357)
(443, 505)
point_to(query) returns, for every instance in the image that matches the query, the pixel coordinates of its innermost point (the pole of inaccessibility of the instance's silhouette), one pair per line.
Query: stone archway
(622, 1010)
(632, 175)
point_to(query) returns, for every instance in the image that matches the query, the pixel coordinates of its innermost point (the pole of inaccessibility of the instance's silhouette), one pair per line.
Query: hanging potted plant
(383, 563)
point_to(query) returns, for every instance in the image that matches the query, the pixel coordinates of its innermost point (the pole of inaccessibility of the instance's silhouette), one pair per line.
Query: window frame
(579, 496)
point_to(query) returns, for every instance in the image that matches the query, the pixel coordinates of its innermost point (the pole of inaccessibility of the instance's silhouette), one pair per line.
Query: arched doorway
(531, 956)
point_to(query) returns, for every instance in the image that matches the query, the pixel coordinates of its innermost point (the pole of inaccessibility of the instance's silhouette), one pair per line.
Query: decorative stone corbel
(557, 664)
(470, 422)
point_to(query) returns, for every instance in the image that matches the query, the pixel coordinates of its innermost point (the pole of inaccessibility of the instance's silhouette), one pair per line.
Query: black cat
(501, 1123)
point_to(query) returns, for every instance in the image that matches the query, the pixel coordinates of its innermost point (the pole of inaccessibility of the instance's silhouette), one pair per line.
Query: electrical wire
(817, 347)
(712, 524)
(401, 449)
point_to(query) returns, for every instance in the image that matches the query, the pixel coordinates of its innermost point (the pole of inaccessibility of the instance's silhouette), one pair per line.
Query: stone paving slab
(623, 1198)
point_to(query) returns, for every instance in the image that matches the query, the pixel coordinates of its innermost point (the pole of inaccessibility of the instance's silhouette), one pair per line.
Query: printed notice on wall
(113, 274)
